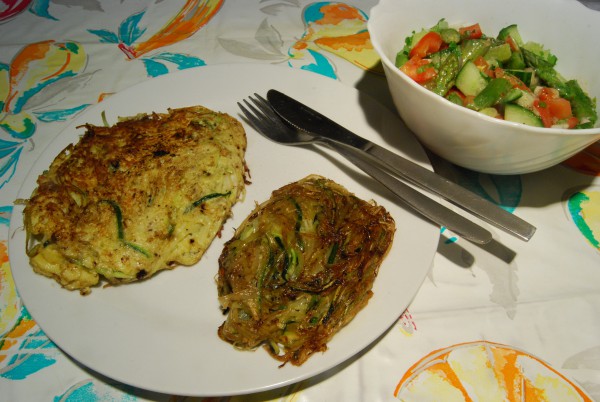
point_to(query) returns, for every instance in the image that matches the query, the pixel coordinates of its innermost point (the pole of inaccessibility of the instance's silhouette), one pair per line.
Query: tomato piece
(416, 68)
(471, 32)
(546, 94)
(481, 62)
(484, 66)
(456, 91)
(516, 83)
(430, 43)
(455, 96)
(469, 101)
(512, 43)
(560, 108)
(544, 112)
(572, 122)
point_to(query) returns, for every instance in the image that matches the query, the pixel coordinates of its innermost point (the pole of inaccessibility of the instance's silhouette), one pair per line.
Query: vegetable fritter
(143, 195)
(300, 267)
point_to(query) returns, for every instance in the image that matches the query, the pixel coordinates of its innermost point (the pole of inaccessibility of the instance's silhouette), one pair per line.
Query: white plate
(161, 334)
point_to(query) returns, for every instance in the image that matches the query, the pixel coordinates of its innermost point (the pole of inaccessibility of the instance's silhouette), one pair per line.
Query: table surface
(484, 316)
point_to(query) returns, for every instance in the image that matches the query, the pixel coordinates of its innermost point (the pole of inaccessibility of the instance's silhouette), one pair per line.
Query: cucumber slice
(490, 111)
(450, 35)
(513, 32)
(525, 100)
(518, 114)
(470, 81)
(511, 96)
(500, 53)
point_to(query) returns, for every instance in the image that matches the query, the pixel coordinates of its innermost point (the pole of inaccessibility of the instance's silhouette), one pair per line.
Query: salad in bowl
(501, 76)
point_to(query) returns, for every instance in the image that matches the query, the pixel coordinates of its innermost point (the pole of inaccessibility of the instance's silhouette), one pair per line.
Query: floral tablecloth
(510, 321)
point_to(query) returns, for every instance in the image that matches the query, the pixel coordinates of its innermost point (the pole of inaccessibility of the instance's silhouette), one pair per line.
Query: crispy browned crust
(145, 194)
(300, 267)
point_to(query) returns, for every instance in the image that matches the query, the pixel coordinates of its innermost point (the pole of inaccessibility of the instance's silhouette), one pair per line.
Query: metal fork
(263, 118)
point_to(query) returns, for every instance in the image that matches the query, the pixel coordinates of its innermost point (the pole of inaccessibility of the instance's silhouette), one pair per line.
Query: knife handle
(430, 181)
(452, 192)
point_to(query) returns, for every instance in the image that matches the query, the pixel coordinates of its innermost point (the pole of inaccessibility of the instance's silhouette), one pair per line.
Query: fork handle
(419, 202)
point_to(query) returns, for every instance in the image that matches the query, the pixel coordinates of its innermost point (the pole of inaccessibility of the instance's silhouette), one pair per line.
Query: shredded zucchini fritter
(143, 195)
(300, 267)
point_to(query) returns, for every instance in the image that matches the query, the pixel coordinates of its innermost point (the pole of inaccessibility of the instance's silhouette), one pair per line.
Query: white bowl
(468, 138)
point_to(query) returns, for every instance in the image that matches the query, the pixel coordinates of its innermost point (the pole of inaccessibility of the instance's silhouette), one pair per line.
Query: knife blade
(304, 118)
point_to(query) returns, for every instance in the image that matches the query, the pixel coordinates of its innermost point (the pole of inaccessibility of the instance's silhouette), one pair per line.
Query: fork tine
(266, 108)
(252, 114)
(262, 104)
(261, 115)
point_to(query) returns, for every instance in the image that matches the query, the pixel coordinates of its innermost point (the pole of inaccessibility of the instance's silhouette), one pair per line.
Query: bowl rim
(375, 41)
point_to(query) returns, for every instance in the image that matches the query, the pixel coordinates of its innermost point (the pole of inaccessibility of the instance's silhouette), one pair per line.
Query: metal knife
(304, 118)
